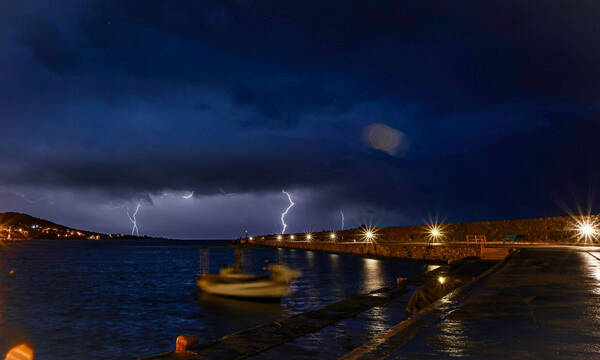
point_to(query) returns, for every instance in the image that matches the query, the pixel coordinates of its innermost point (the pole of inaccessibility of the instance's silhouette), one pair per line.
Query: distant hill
(17, 226)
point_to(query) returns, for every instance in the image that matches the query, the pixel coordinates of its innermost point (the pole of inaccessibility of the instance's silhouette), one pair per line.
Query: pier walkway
(542, 304)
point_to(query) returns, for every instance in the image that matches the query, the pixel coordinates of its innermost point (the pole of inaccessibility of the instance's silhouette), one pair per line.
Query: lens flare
(434, 231)
(20, 352)
(368, 233)
(586, 228)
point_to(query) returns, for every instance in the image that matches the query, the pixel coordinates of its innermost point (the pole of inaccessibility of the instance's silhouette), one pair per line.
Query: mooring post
(184, 342)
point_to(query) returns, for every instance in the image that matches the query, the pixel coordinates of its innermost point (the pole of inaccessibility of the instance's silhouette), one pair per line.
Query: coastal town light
(279, 237)
(332, 236)
(292, 237)
(308, 237)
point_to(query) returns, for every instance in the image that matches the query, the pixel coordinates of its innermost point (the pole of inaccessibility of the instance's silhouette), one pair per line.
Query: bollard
(185, 342)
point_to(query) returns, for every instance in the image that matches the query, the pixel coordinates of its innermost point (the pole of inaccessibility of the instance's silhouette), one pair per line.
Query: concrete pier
(243, 344)
(542, 304)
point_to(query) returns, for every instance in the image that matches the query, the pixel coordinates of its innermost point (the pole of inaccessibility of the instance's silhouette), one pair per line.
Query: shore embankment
(450, 242)
(444, 252)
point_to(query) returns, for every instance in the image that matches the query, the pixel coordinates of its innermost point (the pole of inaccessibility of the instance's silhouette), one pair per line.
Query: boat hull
(262, 289)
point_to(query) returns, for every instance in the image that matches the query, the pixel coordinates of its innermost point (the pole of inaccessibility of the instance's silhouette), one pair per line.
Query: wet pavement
(246, 343)
(339, 338)
(542, 304)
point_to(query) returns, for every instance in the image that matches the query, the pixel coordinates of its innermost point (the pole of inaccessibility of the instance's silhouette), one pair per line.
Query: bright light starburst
(435, 232)
(368, 233)
(586, 228)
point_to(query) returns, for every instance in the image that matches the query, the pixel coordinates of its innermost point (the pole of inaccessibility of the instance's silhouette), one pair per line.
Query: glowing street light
(292, 237)
(441, 280)
(279, 237)
(332, 236)
(586, 228)
(435, 232)
(368, 234)
(309, 237)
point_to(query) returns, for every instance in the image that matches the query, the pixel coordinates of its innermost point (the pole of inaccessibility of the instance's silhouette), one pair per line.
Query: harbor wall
(459, 240)
(555, 230)
(406, 251)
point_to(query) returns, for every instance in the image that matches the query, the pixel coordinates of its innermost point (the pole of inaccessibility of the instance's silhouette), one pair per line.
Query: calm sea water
(124, 299)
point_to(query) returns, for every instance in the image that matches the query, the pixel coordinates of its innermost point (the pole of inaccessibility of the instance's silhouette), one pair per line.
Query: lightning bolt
(134, 220)
(225, 193)
(286, 211)
(28, 199)
(342, 213)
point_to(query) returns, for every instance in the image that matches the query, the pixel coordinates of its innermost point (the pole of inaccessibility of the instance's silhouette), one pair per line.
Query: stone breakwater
(549, 230)
(406, 251)
(459, 240)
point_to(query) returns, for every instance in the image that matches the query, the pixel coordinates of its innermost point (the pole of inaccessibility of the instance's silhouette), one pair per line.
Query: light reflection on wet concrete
(336, 340)
(544, 304)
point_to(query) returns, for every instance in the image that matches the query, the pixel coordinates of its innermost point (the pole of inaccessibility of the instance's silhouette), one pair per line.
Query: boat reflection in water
(232, 282)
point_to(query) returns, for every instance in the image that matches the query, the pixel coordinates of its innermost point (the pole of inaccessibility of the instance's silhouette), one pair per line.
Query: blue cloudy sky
(390, 111)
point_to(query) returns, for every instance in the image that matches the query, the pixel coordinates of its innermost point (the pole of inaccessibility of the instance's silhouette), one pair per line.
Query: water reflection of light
(432, 267)
(310, 256)
(372, 275)
(334, 260)
(593, 269)
(377, 320)
(452, 339)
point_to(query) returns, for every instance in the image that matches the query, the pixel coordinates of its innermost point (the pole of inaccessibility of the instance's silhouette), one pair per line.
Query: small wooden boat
(232, 282)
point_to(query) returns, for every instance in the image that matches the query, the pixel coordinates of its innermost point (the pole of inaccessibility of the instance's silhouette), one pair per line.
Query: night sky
(390, 111)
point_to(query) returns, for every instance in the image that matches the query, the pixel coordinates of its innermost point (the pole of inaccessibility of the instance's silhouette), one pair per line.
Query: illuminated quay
(486, 239)
(544, 274)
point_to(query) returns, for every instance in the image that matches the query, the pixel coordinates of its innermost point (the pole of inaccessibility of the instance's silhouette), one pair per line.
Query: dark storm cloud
(498, 100)
(47, 44)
